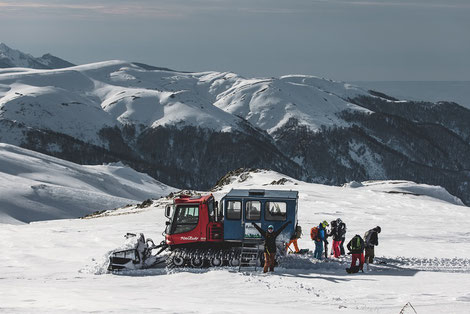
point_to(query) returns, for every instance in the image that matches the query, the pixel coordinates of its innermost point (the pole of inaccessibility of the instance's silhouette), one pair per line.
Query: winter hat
(378, 229)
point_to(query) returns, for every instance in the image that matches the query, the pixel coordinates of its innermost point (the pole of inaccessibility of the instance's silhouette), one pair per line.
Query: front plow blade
(127, 259)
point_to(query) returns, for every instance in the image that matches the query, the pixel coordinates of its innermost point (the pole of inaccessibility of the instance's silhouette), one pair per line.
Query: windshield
(185, 218)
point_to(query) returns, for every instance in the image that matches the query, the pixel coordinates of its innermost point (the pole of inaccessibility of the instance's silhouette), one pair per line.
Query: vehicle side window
(253, 210)
(275, 211)
(233, 210)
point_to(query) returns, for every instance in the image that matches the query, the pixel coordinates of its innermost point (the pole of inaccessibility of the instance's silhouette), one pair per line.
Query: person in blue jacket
(319, 236)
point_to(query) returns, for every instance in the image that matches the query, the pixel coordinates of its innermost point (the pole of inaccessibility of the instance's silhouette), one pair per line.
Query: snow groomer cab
(264, 207)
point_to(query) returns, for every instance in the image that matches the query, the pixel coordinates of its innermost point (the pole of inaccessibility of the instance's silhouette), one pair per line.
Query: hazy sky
(338, 39)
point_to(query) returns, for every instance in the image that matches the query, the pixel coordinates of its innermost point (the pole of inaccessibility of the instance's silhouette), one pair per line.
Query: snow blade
(138, 257)
(126, 259)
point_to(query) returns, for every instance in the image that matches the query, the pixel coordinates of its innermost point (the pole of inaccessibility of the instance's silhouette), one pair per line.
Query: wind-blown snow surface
(35, 187)
(57, 266)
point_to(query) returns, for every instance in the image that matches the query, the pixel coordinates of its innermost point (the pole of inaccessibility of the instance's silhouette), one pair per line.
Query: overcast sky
(338, 39)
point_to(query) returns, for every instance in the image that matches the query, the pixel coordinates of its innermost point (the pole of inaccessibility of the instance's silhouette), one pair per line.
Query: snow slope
(36, 187)
(270, 103)
(456, 91)
(57, 266)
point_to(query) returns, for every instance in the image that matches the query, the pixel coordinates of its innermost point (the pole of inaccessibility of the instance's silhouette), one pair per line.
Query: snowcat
(202, 232)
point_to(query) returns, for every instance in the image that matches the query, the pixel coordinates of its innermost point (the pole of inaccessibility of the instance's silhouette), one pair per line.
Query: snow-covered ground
(58, 266)
(35, 186)
(456, 91)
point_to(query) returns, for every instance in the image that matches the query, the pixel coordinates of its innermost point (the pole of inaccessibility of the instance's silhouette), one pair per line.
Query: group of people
(320, 234)
(356, 246)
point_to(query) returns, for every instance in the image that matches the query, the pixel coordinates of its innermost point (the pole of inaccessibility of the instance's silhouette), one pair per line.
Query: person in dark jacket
(270, 244)
(342, 231)
(371, 239)
(356, 248)
(337, 232)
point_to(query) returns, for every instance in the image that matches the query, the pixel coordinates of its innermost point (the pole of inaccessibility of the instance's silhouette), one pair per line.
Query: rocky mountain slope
(11, 58)
(189, 129)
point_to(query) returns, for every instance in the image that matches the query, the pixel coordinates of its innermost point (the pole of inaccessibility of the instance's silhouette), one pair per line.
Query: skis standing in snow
(328, 233)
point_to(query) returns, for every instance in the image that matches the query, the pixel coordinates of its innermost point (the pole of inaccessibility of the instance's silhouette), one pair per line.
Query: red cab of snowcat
(193, 219)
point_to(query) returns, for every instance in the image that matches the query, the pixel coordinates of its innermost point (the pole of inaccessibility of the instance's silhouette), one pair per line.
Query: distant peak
(16, 58)
(4, 47)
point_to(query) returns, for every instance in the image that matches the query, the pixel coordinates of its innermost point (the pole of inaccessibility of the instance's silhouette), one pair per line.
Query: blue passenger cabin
(263, 207)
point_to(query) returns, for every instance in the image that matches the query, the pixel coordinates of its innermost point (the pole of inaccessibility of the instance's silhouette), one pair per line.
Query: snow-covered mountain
(423, 258)
(189, 129)
(36, 187)
(12, 58)
(123, 109)
(456, 91)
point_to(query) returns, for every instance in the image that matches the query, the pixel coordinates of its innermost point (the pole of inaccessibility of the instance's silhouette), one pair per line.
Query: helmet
(378, 229)
(325, 224)
(271, 227)
(338, 221)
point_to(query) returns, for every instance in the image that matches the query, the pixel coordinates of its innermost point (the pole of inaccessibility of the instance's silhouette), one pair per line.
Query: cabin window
(186, 218)
(275, 211)
(253, 210)
(233, 210)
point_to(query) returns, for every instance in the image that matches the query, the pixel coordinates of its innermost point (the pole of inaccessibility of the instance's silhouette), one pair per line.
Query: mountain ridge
(12, 58)
(188, 129)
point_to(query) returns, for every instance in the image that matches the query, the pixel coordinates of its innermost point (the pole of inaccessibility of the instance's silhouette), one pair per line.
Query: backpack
(314, 233)
(367, 237)
(356, 243)
(298, 232)
(342, 229)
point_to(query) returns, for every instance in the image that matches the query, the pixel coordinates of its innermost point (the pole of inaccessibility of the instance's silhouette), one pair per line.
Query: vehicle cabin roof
(192, 199)
(274, 194)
